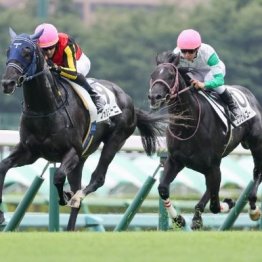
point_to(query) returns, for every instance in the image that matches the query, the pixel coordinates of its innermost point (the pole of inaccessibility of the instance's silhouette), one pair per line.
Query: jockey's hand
(197, 84)
(55, 68)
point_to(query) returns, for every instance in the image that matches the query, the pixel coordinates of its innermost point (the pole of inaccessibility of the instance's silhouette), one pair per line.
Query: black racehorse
(54, 123)
(199, 140)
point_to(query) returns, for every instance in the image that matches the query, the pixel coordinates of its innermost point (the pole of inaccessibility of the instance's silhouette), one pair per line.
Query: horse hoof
(62, 202)
(75, 201)
(226, 205)
(67, 195)
(178, 222)
(197, 224)
(215, 208)
(2, 218)
(254, 214)
(231, 203)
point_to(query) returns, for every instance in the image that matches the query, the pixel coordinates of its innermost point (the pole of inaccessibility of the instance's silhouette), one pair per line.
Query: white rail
(133, 143)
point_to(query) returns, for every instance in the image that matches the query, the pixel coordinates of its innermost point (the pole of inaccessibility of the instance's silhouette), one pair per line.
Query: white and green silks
(210, 69)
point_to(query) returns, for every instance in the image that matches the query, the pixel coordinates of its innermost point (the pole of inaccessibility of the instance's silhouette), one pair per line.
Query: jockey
(66, 58)
(210, 70)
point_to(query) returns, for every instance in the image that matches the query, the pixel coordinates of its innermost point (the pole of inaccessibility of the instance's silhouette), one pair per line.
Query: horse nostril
(5, 83)
(158, 97)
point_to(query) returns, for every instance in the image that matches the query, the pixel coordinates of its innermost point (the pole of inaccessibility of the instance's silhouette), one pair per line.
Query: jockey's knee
(163, 192)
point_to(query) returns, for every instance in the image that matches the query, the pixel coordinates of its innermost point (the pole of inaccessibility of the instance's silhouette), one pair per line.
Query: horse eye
(26, 53)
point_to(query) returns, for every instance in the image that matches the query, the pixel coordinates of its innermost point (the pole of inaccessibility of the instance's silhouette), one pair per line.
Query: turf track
(132, 246)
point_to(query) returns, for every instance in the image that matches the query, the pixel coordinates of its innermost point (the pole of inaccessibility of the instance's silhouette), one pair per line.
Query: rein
(197, 126)
(63, 105)
(174, 93)
(22, 79)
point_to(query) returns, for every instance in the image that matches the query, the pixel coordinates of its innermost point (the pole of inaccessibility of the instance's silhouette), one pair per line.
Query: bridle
(27, 70)
(174, 92)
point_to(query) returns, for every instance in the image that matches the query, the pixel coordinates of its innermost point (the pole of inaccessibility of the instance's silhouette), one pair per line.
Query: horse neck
(38, 94)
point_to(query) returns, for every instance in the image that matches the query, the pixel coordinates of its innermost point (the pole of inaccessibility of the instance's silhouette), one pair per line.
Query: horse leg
(97, 180)
(171, 170)
(74, 178)
(68, 164)
(197, 222)
(213, 180)
(19, 157)
(254, 211)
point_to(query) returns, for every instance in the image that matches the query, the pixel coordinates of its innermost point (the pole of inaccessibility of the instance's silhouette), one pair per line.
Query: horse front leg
(97, 180)
(171, 169)
(74, 180)
(213, 180)
(20, 156)
(68, 164)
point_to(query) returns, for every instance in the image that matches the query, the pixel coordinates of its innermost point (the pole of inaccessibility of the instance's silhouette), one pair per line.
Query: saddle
(222, 110)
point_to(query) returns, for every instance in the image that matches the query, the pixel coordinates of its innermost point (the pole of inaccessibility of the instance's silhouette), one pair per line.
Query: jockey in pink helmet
(49, 36)
(205, 61)
(66, 58)
(189, 39)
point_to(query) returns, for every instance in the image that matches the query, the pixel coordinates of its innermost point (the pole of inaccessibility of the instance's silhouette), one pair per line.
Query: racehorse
(54, 123)
(199, 140)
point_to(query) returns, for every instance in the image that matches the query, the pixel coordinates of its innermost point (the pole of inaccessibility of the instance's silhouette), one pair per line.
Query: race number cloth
(110, 108)
(241, 100)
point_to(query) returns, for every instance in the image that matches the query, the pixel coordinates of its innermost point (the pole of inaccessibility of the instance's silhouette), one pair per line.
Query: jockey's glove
(55, 68)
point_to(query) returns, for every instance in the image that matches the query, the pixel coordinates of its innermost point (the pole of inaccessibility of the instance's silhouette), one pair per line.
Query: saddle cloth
(242, 102)
(110, 108)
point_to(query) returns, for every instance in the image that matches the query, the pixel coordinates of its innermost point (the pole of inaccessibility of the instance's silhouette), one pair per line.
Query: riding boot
(96, 98)
(230, 102)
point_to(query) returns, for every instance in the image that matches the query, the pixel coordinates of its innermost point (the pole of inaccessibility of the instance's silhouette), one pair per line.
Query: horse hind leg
(254, 211)
(197, 221)
(19, 157)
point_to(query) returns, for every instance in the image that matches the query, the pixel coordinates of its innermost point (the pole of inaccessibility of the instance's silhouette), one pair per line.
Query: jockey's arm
(68, 70)
(217, 70)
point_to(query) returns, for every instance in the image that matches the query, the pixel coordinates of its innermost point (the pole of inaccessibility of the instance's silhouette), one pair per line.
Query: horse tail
(150, 127)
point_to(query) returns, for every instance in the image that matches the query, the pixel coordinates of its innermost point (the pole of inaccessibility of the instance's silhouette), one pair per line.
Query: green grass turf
(131, 246)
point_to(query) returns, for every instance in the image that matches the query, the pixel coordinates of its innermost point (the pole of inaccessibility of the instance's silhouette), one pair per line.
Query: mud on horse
(54, 123)
(200, 140)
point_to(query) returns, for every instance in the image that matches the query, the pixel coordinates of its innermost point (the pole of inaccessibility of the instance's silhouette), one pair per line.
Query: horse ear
(12, 33)
(165, 57)
(36, 36)
(176, 59)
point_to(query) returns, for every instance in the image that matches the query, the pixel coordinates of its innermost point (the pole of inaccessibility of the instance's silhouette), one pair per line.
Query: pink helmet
(49, 36)
(189, 39)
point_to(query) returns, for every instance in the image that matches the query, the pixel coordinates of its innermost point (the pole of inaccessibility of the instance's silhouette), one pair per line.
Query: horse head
(164, 82)
(21, 60)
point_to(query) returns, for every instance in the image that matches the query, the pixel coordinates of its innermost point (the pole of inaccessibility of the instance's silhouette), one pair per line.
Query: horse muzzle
(8, 86)
(156, 102)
